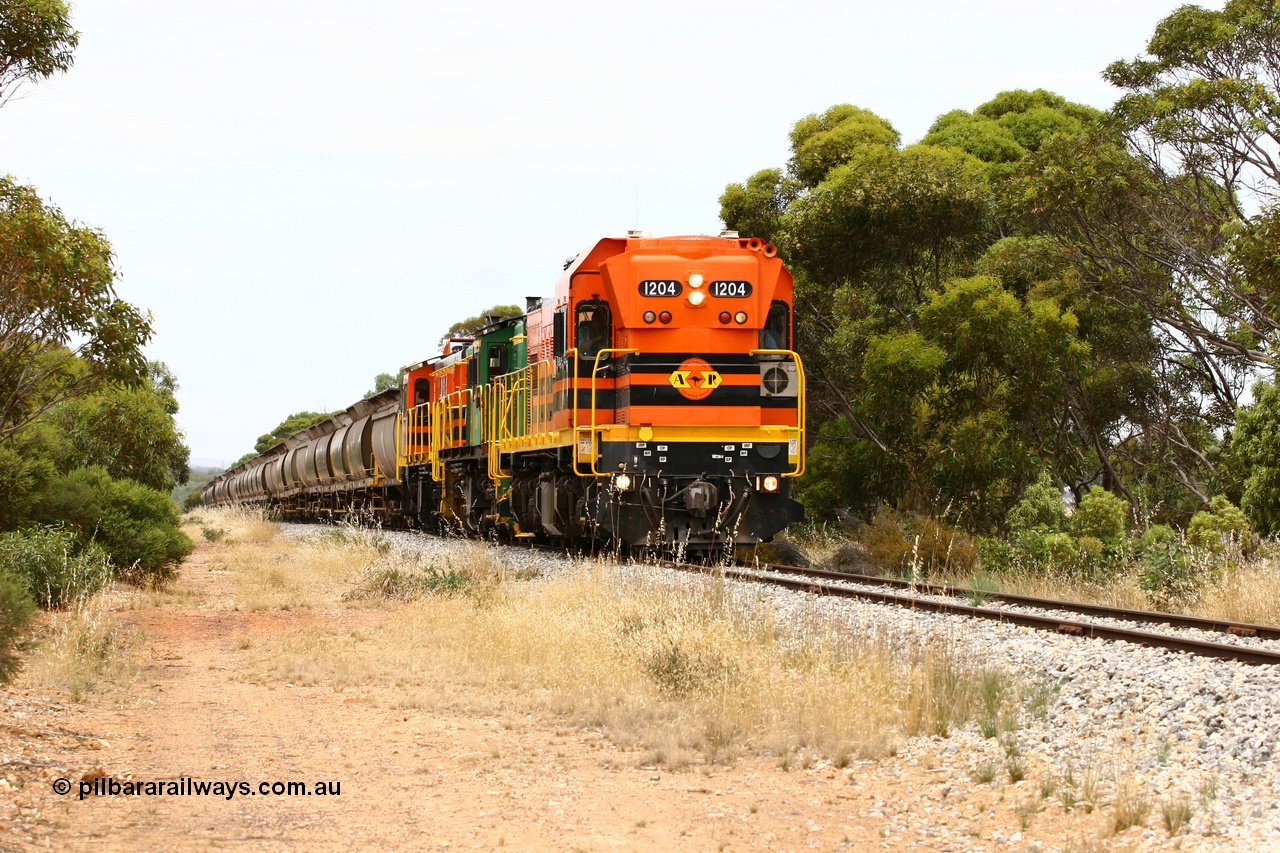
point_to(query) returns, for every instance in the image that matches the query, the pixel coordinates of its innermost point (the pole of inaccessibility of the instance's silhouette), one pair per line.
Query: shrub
(1222, 521)
(893, 543)
(1256, 445)
(45, 559)
(137, 526)
(1091, 548)
(16, 609)
(1170, 571)
(1101, 515)
(1061, 549)
(1040, 507)
(27, 471)
(997, 555)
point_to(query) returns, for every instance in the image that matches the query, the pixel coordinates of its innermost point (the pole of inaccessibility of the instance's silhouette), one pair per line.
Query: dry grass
(1119, 590)
(281, 574)
(1243, 590)
(1248, 593)
(819, 541)
(230, 525)
(1131, 807)
(1243, 593)
(697, 670)
(83, 650)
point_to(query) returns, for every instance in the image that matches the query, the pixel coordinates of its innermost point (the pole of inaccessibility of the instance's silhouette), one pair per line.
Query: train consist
(656, 400)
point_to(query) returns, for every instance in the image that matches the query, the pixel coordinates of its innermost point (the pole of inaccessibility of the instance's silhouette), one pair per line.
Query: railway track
(942, 599)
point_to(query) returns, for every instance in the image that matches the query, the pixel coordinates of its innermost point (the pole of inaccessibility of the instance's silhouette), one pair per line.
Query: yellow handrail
(577, 429)
(800, 405)
(494, 416)
(442, 420)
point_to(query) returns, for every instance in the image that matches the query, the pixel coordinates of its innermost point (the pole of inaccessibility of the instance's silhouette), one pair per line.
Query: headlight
(769, 483)
(696, 297)
(622, 482)
(695, 281)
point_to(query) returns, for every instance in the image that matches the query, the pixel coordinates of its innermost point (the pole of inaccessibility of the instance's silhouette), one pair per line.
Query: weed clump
(16, 610)
(917, 546)
(57, 572)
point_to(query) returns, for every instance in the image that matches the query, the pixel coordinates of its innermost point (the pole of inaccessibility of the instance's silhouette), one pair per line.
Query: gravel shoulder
(1164, 725)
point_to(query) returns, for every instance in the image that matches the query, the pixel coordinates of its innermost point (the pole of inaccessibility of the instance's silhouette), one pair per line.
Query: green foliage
(58, 286)
(137, 527)
(197, 479)
(56, 569)
(758, 208)
(1155, 537)
(1170, 570)
(296, 422)
(979, 135)
(16, 610)
(1199, 112)
(820, 143)
(129, 430)
(904, 215)
(1040, 507)
(1222, 522)
(471, 325)
(382, 382)
(1101, 515)
(957, 309)
(36, 42)
(1061, 549)
(1256, 444)
(27, 472)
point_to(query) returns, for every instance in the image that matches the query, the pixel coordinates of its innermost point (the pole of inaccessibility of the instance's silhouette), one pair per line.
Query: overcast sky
(306, 194)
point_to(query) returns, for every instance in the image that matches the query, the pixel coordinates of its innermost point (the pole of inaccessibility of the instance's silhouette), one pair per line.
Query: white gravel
(1169, 724)
(1066, 615)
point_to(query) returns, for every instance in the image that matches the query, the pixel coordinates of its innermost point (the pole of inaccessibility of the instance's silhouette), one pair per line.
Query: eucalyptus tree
(36, 42)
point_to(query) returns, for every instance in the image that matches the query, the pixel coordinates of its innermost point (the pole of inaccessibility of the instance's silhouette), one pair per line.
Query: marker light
(770, 483)
(649, 316)
(725, 316)
(665, 316)
(696, 298)
(740, 317)
(622, 482)
(695, 280)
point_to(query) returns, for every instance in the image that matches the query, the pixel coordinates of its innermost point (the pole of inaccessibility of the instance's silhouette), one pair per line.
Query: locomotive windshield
(593, 328)
(776, 333)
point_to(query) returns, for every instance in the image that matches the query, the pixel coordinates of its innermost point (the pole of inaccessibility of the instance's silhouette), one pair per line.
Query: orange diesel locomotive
(655, 400)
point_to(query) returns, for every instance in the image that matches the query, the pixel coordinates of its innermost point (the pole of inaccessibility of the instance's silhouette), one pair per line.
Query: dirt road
(399, 778)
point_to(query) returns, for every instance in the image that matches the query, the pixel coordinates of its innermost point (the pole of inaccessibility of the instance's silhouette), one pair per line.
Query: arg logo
(694, 379)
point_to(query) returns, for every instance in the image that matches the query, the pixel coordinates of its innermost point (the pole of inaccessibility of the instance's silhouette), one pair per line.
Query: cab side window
(497, 360)
(776, 333)
(558, 333)
(594, 331)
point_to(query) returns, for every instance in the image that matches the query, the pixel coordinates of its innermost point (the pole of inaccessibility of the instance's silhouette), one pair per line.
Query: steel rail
(1176, 620)
(813, 581)
(810, 584)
